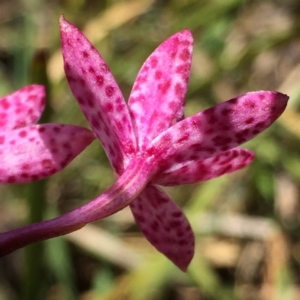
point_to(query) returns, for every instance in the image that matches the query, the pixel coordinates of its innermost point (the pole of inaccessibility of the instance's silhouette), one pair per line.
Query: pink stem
(127, 187)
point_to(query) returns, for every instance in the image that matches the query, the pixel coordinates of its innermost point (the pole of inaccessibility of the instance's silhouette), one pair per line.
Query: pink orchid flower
(149, 143)
(29, 152)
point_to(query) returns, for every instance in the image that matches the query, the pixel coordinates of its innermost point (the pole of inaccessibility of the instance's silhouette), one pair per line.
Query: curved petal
(157, 97)
(164, 225)
(219, 128)
(23, 107)
(98, 95)
(38, 151)
(201, 170)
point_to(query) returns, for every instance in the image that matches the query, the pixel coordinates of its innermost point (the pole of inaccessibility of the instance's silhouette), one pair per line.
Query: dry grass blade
(100, 243)
(235, 226)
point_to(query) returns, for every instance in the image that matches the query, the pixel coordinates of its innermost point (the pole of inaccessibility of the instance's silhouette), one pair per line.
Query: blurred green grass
(246, 224)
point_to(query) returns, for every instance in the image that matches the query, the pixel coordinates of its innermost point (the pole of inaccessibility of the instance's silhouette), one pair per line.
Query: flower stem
(125, 190)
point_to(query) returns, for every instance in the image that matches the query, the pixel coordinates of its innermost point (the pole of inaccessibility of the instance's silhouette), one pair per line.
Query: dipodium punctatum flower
(29, 152)
(150, 143)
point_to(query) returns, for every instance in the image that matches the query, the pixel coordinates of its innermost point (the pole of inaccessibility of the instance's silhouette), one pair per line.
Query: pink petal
(157, 97)
(164, 225)
(98, 95)
(201, 170)
(38, 151)
(23, 107)
(219, 128)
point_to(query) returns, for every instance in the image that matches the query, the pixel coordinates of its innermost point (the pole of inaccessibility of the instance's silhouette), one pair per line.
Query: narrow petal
(219, 128)
(23, 107)
(38, 151)
(98, 95)
(164, 225)
(201, 170)
(157, 97)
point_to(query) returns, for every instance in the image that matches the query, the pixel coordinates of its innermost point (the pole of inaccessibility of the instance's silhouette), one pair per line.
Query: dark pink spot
(25, 167)
(179, 233)
(260, 125)
(185, 54)
(212, 120)
(91, 70)
(104, 68)
(119, 126)
(85, 54)
(249, 120)
(175, 223)
(54, 150)
(90, 102)
(173, 54)
(66, 146)
(106, 130)
(163, 87)
(158, 75)
(225, 161)
(183, 70)
(22, 133)
(225, 170)
(66, 160)
(56, 129)
(154, 226)
(249, 104)
(11, 179)
(141, 79)
(119, 108)
(172, 105)
(108, 107)
(167, 228)
(186, 43)
(2, 139)
(182, 242)
(153, 62)
(34, 177)
(226, 111)
(234, 153)
(95, 123)
(178, 89)
(4, 103)
(80, 100)
(176, 214)
(109, 90)
(47, 163)
(99, 80)
(111, 151)
(32, 97)
(161, 126)
(139, 218)
(184, 137)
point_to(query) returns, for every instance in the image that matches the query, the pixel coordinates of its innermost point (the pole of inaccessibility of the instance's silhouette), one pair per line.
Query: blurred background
(247, 224)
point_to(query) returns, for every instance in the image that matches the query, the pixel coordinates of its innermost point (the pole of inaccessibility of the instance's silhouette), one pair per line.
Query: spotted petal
(219, 128)
(21, 108)
(37, 151)
(98, 95)
(157, 96)
(164, 225)
(209, 168)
